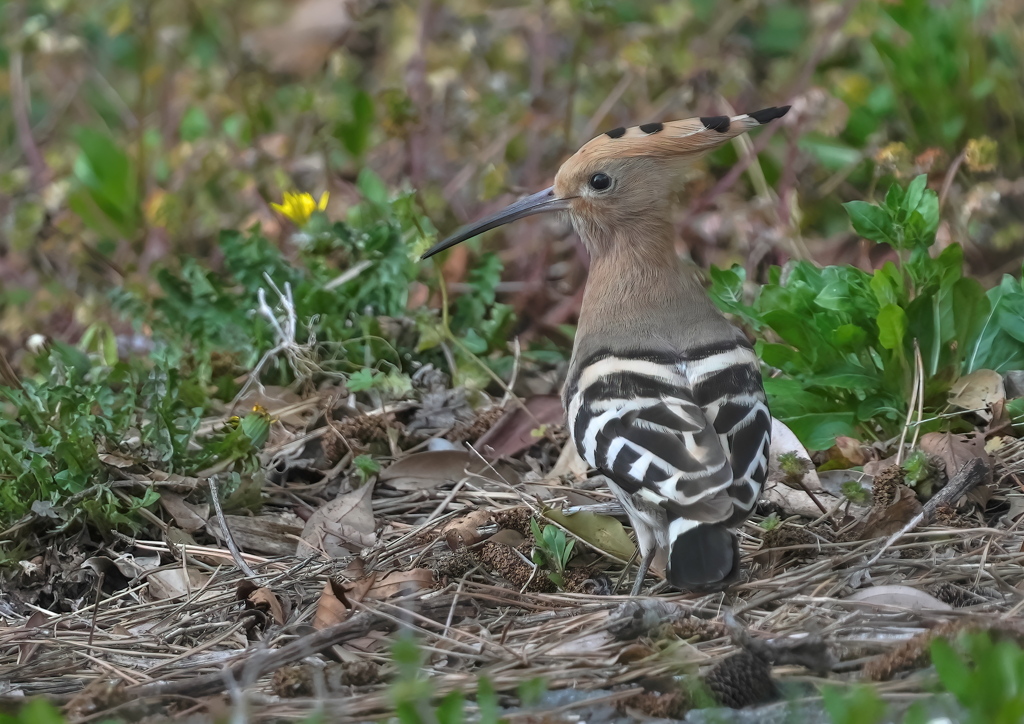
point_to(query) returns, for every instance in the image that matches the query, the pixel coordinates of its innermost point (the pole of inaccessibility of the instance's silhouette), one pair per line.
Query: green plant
(847, 341)
(36, 711)
(366, 467)
(81, 409)
(985, 676)
(553, 550)
(859, 705)
(413, 695)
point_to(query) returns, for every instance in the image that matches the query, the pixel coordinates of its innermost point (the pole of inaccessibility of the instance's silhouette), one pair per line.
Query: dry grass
(131, 655)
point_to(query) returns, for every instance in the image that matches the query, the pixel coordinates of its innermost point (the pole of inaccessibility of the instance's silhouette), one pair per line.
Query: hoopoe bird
(664, 395)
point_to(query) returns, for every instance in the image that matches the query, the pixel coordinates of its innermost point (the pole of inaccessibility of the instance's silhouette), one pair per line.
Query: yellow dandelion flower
(982, 154)
(299, 206)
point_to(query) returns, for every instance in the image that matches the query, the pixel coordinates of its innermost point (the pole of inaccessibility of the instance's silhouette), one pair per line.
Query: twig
(23, 126)
(947, 181)
(228, 538)
(972, 474)
(299, 356)
(96, 606)
(263, 662)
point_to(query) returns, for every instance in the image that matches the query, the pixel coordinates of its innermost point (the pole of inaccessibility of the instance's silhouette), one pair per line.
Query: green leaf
(835, 296)
(892, 326)
(915, 192)
(195, 124)
(355, 134)
(871, 222)
(256, 427)
(487, 702)
(107, 177)
(451, 709)
(952, 670)
(531, 691)
(859, 705)
(888, 285)
(818, 431)
(601, 531)
(372, 187)
(849, 336)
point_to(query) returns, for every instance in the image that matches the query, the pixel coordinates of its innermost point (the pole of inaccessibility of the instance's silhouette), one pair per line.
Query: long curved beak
(537, 203)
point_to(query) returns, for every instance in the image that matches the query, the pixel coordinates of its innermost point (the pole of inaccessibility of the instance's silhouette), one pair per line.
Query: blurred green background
(132, 133)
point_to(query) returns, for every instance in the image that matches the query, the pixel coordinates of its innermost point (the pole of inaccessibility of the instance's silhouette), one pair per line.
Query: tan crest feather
(675, 138)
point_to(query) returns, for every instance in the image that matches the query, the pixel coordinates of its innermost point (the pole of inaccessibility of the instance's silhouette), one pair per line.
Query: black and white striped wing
(689, 435)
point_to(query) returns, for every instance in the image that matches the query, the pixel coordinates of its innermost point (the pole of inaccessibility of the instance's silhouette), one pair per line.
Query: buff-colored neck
(640, 295)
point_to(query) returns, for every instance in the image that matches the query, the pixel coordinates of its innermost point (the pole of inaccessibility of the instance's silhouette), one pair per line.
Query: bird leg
(641, 573)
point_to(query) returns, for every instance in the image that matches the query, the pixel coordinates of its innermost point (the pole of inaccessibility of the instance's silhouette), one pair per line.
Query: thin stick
(228, 538)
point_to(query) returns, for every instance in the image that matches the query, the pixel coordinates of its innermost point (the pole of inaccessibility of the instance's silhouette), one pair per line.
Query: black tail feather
(702, 558)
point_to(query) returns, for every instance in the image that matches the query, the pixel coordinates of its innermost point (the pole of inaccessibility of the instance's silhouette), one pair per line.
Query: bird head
(621, 178)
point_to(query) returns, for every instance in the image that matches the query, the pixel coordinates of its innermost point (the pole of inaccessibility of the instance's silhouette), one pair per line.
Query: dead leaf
(435, 468)
(514, 432)
(188, 516)
(175, 583)
(132, 566)
(601, 531)
(28, 649)
(465, 530)
(1013, 383)
(283, 404)
(401, 583)
(585, 645)
(301, 43)
(343, 526)
(853, 450)
(266, 600)
(270, 534)
(881, 522)
(333, 606)
(955, 450)
(508, 537)
(570, 463)
(904, 597)
(116, 460)
(978, 390)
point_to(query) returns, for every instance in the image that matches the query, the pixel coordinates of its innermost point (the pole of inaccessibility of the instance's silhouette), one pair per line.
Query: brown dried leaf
(955, 450)
(978, 390)
(342, 526)
(401, 583)
(270, 534)
(852, 450)
(188, 516)
(175, 583)
(333, 606)
(465, 531)
(435, 468)
(884, 521)
(266, 600)
(282, 403)
(514, 432)
(570, 463)
(301, 43)
(508, 537)
(28, 649)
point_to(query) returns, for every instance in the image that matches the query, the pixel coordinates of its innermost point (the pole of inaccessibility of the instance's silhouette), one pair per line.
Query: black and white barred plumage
(684, 438)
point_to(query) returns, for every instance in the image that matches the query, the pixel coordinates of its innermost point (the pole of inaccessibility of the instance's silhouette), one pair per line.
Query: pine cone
(741, 680)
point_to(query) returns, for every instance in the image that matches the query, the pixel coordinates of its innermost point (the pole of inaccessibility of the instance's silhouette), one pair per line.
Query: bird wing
(690, 435)
(684, 430)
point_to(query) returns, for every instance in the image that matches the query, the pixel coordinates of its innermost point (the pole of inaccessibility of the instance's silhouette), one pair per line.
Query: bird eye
(600, 181)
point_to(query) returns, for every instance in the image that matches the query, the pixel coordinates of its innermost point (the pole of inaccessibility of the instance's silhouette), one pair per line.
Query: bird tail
(701, 555)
